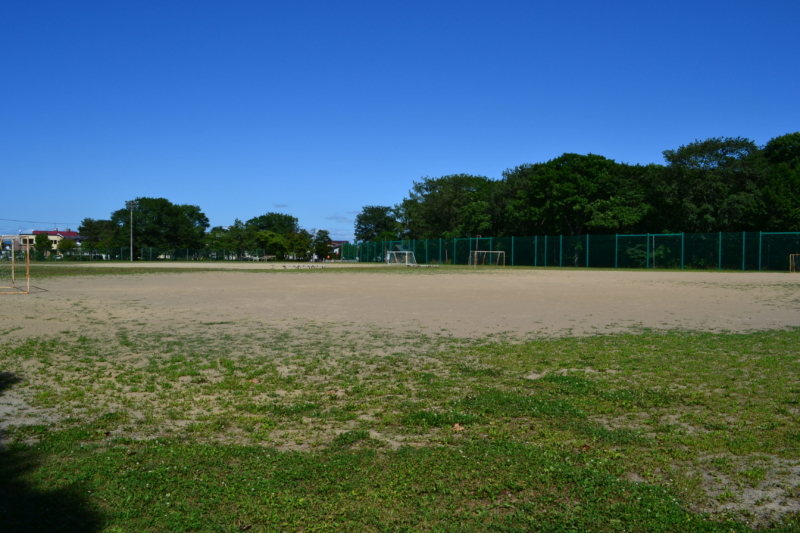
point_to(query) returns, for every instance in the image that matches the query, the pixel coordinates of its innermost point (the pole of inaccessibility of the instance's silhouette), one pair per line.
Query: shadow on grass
(26, 508)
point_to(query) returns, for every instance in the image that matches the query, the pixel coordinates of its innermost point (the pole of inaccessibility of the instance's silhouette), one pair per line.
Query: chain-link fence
(85, 253)
(703, 251)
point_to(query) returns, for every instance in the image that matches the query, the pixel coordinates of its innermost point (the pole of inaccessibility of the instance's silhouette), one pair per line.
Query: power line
(37, 221)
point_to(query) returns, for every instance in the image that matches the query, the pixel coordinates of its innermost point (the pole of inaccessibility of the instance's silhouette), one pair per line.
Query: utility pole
(131, 204)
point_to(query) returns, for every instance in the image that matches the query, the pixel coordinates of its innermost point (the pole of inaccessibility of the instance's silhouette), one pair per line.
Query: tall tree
(97, 233)
(711, 185)
(450, 206)
(65, 246)
(572, 194)
(321, 245)
(273, 243)
(299, 244)
(376, 222)
(782, 189)
(43, 243)
(159, 223)
(279, 223)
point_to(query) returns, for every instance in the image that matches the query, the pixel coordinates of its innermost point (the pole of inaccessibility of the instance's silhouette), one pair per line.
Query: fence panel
(602, 251)
(776, 248)
(701, 250)
(524, 251)
(632, 251)
(713, 251)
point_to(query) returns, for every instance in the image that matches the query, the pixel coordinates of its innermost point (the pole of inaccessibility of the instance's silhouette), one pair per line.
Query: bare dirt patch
(461, 303)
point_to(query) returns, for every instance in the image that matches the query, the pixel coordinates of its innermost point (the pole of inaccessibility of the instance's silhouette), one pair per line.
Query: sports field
(159, 398)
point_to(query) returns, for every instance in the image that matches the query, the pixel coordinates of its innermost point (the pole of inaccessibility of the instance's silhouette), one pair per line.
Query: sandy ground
(461, 303)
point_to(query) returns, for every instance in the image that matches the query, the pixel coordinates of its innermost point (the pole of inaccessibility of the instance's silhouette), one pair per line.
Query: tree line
(159, 223)
(718, 184)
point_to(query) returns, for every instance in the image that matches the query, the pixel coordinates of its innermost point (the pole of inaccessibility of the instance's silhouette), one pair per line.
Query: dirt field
(304, 359)
(456, 302)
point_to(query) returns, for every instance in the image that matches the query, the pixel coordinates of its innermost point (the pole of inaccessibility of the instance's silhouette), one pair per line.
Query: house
(27, 240)
(336, 246)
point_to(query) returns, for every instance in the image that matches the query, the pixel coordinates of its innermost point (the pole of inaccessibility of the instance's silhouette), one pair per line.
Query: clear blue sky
(319, 108)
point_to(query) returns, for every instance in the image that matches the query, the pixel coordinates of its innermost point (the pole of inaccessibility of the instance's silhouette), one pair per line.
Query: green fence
(152, 254)
(710, 251)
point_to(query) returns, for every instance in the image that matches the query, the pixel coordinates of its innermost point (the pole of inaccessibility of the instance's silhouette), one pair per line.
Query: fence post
(545, 250)
(454, 250)
(719, 260)
(744, 240)
(681, 250)
(647, 257)
(535, 250)
(759, 249)
(440, 250)
(587, 250)
(561, 250)
(512, 251)
(616, 250)
(426, 251)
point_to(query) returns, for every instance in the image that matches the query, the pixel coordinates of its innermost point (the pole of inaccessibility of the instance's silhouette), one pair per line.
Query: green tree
(709, 186)
(299, 244)
(272, 243)
(572, 194)
(376, 223)
(782, 189)
(321, 245)
(43, 244)
(450, 206)
(159, 223)
(279, 223)
(97, 233)
(66, 246)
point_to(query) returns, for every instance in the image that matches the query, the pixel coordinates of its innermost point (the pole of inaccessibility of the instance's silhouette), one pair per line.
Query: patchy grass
(235, 424)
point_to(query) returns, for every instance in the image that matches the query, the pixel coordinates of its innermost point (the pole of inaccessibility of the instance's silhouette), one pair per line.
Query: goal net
(487, 258)
(794, 263)
(15, 272)
(401, 258)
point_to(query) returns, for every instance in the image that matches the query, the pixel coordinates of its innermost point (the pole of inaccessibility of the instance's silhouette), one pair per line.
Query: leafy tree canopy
(279, 223)
(42, 242)
(376, 222)
(66, 245)
(321, 245)
(97, 233)
(159, 223)
(450, 206)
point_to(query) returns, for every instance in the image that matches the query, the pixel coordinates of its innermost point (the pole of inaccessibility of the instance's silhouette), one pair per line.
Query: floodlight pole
(131, 204)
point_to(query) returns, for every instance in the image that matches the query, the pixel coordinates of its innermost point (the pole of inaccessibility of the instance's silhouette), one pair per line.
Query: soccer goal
(401, 258)
(794, 263)
(15, 272)
(487, 258)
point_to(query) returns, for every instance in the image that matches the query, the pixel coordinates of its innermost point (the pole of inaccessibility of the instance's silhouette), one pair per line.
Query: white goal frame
(478, 258)
(18, 288)
(794, 263)
(400, 258)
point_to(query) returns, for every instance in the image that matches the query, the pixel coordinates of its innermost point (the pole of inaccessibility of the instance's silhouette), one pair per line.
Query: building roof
(65, 234)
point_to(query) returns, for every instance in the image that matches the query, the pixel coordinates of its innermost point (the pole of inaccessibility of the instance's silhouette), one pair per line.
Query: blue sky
(319, 108)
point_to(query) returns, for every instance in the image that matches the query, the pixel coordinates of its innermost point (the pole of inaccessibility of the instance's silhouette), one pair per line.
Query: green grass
(328, 428)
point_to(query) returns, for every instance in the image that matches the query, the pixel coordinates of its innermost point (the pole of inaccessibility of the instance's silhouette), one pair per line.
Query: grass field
(151, 423)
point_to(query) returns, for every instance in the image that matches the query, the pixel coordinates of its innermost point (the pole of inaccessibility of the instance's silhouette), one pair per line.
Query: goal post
(487, 258)
(15, 272)
(794, 263)
(400, 258)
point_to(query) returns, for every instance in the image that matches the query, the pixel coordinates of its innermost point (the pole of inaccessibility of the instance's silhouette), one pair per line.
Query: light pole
(131, 204)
